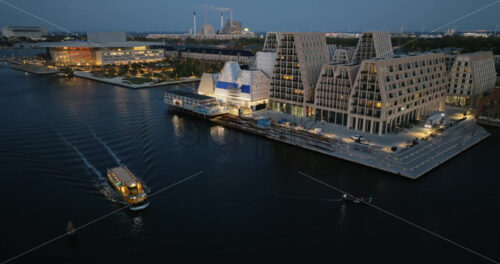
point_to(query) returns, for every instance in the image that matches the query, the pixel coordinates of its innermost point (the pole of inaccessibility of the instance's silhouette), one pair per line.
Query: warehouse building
(215, 54)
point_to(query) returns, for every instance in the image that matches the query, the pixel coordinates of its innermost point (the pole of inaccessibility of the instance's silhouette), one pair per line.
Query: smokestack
(231, 21)
(221, 21)
(194, 22)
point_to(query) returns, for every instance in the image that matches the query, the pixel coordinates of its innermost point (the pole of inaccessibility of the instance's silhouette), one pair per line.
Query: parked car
(357, 138)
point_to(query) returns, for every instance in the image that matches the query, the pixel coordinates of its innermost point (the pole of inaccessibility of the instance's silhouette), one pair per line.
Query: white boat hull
(138, 207)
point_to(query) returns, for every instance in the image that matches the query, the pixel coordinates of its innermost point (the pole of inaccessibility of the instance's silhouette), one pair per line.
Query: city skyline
(153, 15)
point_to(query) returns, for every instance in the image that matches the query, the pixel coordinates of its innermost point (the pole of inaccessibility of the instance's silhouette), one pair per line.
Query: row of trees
(425, 44)
(234, 43)
(167, 69)
(468, 44)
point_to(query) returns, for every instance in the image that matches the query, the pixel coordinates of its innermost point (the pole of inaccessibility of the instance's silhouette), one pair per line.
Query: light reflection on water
(218, 134)
(137, 224)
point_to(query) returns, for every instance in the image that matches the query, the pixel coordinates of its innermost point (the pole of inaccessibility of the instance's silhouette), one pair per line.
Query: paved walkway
(411, 162)
(387, 140)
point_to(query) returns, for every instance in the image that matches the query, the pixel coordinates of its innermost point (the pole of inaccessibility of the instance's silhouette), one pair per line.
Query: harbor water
(250, 204)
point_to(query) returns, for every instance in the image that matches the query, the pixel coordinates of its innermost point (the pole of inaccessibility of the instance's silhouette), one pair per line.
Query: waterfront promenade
(410, 162)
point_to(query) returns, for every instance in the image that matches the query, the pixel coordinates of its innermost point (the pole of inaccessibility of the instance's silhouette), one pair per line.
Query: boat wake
(113, 154)
(101, 183)
(110, 151)
(82, 158)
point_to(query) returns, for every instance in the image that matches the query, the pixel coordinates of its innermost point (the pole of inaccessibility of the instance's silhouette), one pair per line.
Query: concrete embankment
(34, 68)
(411, 163)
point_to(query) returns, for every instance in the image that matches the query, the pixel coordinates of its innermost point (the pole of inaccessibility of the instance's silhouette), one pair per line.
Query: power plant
(231, 29)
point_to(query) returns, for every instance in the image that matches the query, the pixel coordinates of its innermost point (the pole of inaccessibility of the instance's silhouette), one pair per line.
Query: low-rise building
(242, 88)
(192, 102)
(34, 33)
(103, 48)
(471, 75)
(489, 109)
(215, 54)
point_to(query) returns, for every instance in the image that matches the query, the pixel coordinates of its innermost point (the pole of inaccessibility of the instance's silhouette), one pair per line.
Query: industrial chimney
(194, 22)
(221, 21)
(231, 31)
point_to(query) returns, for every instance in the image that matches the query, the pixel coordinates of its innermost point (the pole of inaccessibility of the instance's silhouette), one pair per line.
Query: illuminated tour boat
(129, 187)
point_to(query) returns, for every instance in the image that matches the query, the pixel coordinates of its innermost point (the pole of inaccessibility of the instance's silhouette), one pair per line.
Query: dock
(411, 163)
(193, 103)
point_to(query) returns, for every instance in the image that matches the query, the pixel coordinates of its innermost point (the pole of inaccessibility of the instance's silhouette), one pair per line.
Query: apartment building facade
(344, 55)
(372, 45)
(271, 42)
(389, 93)
(471, 75)
(298, 63)
(331, 103)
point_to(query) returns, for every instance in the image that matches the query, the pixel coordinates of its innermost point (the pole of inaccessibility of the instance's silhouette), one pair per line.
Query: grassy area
(137, 80)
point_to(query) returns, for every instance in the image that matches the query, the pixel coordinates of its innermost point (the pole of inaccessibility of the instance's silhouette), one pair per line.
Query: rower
(70, 229)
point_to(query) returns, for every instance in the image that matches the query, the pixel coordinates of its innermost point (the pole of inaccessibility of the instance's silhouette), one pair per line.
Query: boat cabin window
(134, 190)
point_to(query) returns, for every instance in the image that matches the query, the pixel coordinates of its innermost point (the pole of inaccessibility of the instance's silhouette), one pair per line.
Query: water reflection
(342, 216)
(178, 125)
(218, 134)
(134, 221)
(137, 224)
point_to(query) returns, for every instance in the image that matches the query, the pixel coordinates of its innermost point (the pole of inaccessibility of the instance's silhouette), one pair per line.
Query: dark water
(249, 205)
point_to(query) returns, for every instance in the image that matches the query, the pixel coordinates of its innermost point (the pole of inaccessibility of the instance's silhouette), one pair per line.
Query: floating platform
(193, 103)
(411, 163)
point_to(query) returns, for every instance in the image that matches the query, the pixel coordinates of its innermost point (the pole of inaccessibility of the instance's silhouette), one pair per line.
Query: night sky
(258, 15)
